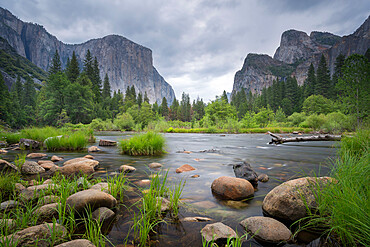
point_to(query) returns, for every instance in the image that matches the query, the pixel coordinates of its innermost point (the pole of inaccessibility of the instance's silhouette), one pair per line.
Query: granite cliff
(296, 52)
(125, 62)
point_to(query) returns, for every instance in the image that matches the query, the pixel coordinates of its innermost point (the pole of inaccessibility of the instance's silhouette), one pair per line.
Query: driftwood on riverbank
(276, 139)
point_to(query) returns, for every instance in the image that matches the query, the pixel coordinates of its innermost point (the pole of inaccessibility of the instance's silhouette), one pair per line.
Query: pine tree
(5, 102)
(88, 65)
(106, 88)
(174, 110)
(29, 96)
(73, 69)
(56, 65)
(323, 83)
(146, 99)
(224, 97)
(139, 99)
(164, 108)
(185, 108)
(96, 81)
(339, 62)
(310, 82)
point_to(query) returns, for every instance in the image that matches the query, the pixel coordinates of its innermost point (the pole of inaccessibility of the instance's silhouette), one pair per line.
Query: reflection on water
(280, 163)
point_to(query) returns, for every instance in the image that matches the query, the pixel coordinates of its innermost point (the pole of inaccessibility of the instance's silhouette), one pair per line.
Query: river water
(281, 163)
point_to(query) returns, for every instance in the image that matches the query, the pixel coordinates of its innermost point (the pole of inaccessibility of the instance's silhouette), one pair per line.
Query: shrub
(149, 143)
(337, 122)
(297, 118)
(317, 104)
(314, 121)
(124, 121)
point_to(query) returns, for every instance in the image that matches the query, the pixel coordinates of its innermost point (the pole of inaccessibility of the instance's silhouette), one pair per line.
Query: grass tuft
(149, 143)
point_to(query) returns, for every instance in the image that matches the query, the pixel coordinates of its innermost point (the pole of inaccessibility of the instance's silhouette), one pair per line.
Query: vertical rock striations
(125, 62)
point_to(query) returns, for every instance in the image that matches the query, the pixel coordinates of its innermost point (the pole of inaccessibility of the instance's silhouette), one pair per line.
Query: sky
(198, 45)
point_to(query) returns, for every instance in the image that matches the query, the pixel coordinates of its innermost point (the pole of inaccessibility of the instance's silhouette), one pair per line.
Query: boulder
(105, 216)
(8, 205)
(49, 165)
(8, 224)
(165, 204)
(90, 198)
(31, 168)
(77, 243)
(290, 200)
(19, 187)
(89, 157)
(245, 171)
(36, 155)
(127, 169)
(101, 187)
(230, 188)
(185, 168)
(3, 151)
(107, 143)
(93, 149)
(48, 200)
(263, 178)
(6, 166)
(266, 230)
(144, 183)
(217, 232)
(155, 165)
(76, 169)
(40, 234)
(93, 163)
(55, 158)
(29, 143)
(47, 212)
(37, 191)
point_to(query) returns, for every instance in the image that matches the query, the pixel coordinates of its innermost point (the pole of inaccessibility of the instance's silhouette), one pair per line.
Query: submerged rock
(196, 219)
(76, 169)
(93, 149)
(185, 168)
(263, 178)
(155, 165)
(127, 169)
(230, 188)
(266, 230)
(93, 163)
(107, 143)
(245, 171)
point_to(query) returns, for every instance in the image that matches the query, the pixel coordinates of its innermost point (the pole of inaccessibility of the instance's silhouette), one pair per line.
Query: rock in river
(245, 171)
(90, 198)
(217, 232)
(230, 188)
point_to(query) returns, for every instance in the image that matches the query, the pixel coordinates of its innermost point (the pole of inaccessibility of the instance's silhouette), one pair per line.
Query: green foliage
(337, 122)
(264, 117)
(323, 82)
(149, 143)
(142, 115)
(7, 185)
(343, 205)
(314, 121)
(297, 118)
(317, 104)
(56, 65)
(74, 141)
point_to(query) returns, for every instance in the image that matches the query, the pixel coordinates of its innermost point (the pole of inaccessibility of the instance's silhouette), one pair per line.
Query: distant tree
(219, 111)
(309, 84)
(174, 110)
(224, 97)
(73, 69)
(88, 68)
(164, 108)
(317, 104)
(96, 81)
(139, 99)
(56, 65)
(323, 83)
(198, 109)
(185, 108)
(292, 94)
(5, 102)
(29, 96)
(146, 99)
(106, 88)
(339, 62)
(354, 86)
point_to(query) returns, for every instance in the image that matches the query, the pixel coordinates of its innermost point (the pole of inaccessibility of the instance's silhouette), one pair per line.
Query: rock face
(289, 201)
(266, 230)
(296, 52)
(125, 62)
(230, 188)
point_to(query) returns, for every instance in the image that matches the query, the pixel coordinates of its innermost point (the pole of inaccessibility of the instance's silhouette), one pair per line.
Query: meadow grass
(117, 185)
(343, 205)
(216, 130)
(149, 143)
(75, 141)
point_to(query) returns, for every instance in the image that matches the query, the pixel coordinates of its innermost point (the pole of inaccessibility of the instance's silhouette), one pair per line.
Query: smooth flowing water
(281, 163)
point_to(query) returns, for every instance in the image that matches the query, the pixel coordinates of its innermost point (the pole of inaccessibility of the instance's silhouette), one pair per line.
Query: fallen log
(276, 139)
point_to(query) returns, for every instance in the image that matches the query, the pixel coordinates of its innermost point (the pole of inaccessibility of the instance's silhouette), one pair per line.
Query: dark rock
(217, 232)
(266, 230)
(105, 216)
(29, 144)
(245, 171)
(90, 198)
(31, 168)
(230, 188)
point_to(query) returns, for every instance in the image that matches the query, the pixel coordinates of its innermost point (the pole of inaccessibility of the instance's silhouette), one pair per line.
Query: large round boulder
(290, 200)
(76, 169)
(92, 199)
(47, 212)
(266, 230)
(31, 168)
(230, 188)
(217, 232)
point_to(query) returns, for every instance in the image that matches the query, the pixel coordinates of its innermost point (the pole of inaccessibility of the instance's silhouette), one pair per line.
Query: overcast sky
(197, 45)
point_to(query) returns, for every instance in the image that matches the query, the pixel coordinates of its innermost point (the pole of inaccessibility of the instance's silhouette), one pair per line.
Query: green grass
(213, 129)
(75, 141)
(343, 205)
(149, 143)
